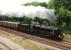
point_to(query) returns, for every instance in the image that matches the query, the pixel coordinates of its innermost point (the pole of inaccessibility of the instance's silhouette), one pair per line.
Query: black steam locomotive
(42, 30)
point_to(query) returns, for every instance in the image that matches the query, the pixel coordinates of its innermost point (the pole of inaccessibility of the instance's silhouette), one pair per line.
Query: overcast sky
(15, 7)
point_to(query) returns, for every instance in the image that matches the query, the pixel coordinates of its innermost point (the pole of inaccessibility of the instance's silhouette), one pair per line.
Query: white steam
(15, 7)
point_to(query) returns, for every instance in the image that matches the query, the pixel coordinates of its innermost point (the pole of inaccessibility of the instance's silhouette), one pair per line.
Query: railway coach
(9, 24)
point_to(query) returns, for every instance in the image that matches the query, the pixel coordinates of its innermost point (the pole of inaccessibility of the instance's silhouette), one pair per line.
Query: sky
(15, 7)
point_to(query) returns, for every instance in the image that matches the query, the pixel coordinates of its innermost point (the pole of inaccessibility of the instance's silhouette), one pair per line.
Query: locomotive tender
(50, 31)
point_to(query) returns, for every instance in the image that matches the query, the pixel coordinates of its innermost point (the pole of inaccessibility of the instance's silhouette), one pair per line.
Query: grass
(67, 37)
(21, 41)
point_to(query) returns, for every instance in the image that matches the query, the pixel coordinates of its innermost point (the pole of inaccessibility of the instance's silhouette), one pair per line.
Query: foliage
(27, 20)
(37, 4)
(62, 10)
(24, 19)
(50, 4)
(21, 19)
(40, 20)
(4, 17)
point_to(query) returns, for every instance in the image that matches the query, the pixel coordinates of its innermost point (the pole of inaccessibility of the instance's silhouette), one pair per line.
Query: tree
(21, 19)
(25, 20)
(39, 20)
(62, 10)
(50, 4)
(4, 18)
(37, 4)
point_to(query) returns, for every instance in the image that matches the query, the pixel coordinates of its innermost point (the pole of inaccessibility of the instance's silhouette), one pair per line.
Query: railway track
(4, 47)
(66, 42)
(64, 45)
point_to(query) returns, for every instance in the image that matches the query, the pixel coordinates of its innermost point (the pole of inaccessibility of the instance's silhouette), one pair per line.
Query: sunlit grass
(67, 37)
(21, 41)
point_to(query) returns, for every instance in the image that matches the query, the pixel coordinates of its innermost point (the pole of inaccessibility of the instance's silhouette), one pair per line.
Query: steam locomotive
(49, 31)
